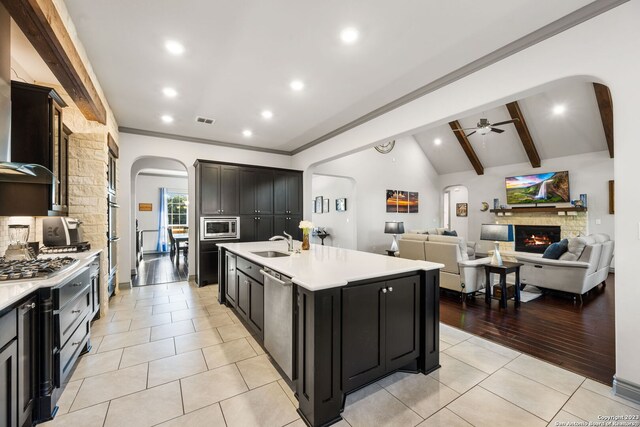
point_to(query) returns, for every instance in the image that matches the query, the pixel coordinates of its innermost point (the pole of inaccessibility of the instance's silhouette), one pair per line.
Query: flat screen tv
(552, 187)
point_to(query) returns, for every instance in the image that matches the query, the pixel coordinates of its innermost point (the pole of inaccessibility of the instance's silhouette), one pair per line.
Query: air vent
(205, 120)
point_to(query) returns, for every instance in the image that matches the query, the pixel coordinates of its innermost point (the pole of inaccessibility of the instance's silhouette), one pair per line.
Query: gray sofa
(459, 274)
(471, 246)
(583, 267)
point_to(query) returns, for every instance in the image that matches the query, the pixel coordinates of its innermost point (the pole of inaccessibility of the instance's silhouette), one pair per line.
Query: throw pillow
(450, 233)
(555, 250)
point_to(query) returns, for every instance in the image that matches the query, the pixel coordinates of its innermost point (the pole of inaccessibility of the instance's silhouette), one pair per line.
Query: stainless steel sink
(270, 254)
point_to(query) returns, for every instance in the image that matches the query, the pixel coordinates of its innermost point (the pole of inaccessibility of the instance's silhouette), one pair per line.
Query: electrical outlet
(598, 221)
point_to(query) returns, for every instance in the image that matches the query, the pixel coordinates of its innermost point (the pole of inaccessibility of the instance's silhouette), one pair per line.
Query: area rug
(529, 293)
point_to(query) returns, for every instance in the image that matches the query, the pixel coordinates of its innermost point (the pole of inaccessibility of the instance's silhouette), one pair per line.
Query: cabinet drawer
(71, 289)
(67, 356)
(67, 320)
(8, 327)
(250, 269)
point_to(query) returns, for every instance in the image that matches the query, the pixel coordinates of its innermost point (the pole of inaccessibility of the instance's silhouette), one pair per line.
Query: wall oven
(219, 228)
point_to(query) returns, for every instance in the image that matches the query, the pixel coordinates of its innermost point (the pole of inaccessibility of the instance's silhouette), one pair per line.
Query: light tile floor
(170, 355)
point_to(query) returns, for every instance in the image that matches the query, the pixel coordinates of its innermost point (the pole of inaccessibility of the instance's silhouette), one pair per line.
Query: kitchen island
(344, 318)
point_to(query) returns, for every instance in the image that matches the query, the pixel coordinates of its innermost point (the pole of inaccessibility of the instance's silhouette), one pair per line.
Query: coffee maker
(61, 231)
(18, 248)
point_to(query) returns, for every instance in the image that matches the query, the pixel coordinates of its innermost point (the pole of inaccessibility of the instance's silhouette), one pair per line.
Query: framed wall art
(341, 205)
(461, 209)
(318, 204)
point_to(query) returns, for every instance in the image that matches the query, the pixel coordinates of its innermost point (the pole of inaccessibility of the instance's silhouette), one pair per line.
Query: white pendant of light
(167, 118)
(296, 85)
(174, 47)
(169, 92)
(266, 114)
(247, 133)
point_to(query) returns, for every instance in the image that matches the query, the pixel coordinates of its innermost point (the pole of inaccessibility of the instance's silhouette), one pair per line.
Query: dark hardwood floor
(160, 268)
(579, 338)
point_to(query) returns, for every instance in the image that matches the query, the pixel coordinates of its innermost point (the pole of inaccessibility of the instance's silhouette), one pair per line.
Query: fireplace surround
(536, 238)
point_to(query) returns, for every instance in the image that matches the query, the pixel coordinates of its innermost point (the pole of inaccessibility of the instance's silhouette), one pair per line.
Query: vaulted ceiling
(240, 57)
(577, 130)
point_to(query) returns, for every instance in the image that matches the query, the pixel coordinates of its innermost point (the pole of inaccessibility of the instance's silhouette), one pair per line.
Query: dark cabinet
(244, 285)
(231, 279)
(250, 301)
(9, 385)
(27, 329)
(256, 228)
(380, 329)
(208, 266)
(288, 223)
(219, 188)
(8, 370)
(40, 137)
(256, 191)
(287, 192)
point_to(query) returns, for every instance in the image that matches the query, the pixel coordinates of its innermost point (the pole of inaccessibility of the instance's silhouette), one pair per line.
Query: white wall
(341, 225)
(405, 168)
(596, 50)
(148, 191)
(588, 173)
(135, 149)
(459, 194)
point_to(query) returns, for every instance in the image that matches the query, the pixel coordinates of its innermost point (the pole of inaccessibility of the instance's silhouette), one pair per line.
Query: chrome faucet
(289, 240)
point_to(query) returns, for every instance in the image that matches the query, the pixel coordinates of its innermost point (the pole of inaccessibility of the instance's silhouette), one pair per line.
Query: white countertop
(12, 291)
(324, 267)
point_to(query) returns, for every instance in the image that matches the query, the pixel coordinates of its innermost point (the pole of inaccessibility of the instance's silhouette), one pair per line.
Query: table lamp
(497, 233)
(395, 228)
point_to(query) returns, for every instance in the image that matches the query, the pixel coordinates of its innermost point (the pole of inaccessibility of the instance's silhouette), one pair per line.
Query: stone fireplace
(535, 238)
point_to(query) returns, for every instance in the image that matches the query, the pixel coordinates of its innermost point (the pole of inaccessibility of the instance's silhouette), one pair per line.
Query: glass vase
(305, 240)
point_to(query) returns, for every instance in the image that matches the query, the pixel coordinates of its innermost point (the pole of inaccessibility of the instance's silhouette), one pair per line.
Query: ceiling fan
(484, 127)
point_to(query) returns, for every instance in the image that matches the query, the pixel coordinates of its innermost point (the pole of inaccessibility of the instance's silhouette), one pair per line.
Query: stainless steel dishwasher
(278, 318)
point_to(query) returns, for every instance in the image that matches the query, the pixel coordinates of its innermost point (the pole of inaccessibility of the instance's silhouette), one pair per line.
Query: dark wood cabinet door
(280, 224)
(248, 228)
(280, 192)
(402, 322)
(256, 306)
(231, 279)
(294, 189)
(208, 268)
(229, 190)
(210, 189)
(264, 228)
(263, 186)
(244, 286)
(293, 226)
(247, 192)
(27, 324)
(9, 385)
(363, 337)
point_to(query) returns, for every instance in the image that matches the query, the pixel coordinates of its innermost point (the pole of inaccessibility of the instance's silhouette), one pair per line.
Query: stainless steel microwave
(218, 228)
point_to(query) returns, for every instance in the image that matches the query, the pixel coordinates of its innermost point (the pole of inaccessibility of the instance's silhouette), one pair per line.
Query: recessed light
(167, 118)
(247, 133)
(174, 47)
(169, 92)
(266, 114)
(296, 85)
(559, 109)
(437, 141)
(349, 35)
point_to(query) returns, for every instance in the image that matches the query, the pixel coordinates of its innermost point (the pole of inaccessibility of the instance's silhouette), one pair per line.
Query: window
(177, 209)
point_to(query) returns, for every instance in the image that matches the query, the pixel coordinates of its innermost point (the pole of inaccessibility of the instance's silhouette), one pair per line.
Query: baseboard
(626, 389)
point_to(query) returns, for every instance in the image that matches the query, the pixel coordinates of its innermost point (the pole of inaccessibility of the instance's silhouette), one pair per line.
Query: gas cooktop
(41, 268)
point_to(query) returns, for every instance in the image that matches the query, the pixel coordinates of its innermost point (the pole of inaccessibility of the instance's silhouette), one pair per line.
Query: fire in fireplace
(535, 238)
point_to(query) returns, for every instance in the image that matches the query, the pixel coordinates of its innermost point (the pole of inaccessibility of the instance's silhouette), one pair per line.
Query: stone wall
(570, 225)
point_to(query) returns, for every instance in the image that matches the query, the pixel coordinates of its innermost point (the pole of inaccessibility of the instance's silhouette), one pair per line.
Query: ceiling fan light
(484, 130)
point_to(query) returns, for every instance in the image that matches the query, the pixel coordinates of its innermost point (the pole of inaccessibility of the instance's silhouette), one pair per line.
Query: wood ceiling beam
(466, 146)
(40, 21)
(524, 134)
(603, 96)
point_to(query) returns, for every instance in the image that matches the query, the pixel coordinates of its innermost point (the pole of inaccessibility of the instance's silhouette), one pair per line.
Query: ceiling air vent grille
(205, 120)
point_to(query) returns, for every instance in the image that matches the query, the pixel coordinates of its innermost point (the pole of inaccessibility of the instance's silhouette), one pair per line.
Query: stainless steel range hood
(13, 172)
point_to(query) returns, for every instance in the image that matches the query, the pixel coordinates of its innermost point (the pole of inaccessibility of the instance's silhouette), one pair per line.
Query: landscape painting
(392, 201)
(403, 201)
(552, 187)
(414, 202)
